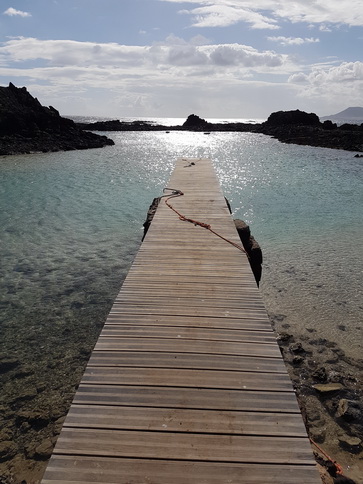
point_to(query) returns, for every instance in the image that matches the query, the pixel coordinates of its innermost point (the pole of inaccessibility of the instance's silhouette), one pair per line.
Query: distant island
(349, 115)
(295, 127)
(27, 127)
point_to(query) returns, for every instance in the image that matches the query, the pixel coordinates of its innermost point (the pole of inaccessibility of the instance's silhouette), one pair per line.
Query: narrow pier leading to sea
(186, 384)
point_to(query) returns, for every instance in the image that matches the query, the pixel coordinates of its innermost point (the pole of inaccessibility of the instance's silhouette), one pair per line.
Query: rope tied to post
(178, 193)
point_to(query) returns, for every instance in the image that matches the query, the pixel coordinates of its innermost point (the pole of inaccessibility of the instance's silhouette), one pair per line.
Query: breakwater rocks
(295, 127)
(27, 127)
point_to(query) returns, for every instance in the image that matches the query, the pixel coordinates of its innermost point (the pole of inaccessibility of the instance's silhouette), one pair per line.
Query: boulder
(195, 122)
(328, 387)
(7, 450)
(291, 118)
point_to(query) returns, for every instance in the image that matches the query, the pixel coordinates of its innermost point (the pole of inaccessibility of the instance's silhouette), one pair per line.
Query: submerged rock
(7, 450)
(350, 443)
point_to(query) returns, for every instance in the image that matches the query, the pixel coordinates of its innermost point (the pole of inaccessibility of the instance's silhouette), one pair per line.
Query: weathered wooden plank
(198, 398)
(188, 346)
(189, 446)
(185, 420)
(216, 312)
(186, 360)
(132, 331)
(191, 302)
(195, 378)
(189, 321)
(89, 470)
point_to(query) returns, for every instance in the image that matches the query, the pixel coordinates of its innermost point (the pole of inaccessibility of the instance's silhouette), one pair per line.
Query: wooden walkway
(186, 384)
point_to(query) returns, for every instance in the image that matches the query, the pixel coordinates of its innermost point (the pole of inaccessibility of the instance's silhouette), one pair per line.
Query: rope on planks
(178, 193)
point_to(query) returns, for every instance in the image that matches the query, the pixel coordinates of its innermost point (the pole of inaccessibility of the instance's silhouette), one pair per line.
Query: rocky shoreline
(329, 390)
(28, 127)
(295, 127)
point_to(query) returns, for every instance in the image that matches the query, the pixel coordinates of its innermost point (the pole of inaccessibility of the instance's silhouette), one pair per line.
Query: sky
(171, 58)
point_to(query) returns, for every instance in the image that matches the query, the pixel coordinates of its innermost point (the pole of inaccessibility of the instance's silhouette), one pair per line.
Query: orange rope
(338, 467)
(178, 193)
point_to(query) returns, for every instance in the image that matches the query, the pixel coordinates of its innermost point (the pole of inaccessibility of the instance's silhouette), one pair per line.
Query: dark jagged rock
(117, 125)
(26, 126)
(196, 123)
(292, 118)
(302, 128)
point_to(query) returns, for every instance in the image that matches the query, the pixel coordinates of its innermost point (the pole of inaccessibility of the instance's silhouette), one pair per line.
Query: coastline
(292, 127)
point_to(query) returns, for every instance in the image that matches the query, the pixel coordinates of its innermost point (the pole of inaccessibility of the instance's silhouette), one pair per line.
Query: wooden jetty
(186, 384)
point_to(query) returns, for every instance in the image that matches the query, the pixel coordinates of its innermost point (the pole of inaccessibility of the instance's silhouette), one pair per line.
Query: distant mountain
(350, 115)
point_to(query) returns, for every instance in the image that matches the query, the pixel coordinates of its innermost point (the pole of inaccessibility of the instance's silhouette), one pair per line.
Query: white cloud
(293, 40)
(265, 13)
(324, 28)
(174, 52)
(347, 72)
(195, 72)
(174, 77)
(12, 12)
(334, 85)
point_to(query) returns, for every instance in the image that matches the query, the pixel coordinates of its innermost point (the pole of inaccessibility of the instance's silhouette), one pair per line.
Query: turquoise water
(71, 222)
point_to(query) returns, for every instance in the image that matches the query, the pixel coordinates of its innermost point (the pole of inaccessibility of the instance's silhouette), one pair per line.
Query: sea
(71, 223)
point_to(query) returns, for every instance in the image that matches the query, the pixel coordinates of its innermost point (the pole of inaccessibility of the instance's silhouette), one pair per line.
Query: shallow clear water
(70, 224)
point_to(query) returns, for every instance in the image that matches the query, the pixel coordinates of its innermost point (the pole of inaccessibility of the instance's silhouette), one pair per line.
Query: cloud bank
(265, 14)
(174, 78)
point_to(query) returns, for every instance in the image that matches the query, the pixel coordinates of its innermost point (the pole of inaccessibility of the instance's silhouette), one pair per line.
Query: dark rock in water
(320, 375)
(36, 420)
(303, 128)
(297, 348)
(26, 126)
(195, 122)
(284, 337)
(350, 443)
(318, 435)
(7, 450)
(292, 118)
(7, 364)
(298, 360)
(351, 411)
(117, 125)
(328, 387)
